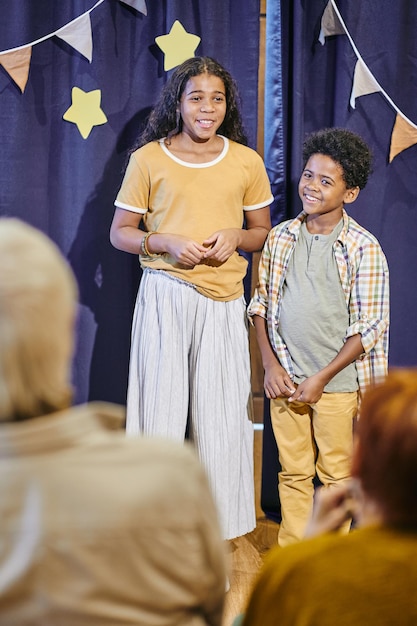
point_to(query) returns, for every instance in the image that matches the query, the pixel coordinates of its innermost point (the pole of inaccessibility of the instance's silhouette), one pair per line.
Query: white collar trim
(196, 165)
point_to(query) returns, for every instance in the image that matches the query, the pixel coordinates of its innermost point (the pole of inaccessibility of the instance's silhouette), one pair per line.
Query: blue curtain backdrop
(56, 180)
(310, 90)
(65, 185)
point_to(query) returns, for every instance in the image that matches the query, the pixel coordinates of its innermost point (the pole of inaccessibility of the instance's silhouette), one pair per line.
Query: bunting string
(85, 110)
(45, 37)
(404, 133)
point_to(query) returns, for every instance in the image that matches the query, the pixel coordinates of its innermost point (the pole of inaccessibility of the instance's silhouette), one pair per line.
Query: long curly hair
(164, 119)
(345, 148)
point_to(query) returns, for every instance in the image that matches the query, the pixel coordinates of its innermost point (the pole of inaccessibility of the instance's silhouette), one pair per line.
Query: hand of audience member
(333, 506)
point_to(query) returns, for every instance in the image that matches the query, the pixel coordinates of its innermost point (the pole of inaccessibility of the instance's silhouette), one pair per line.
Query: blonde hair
(38, 296)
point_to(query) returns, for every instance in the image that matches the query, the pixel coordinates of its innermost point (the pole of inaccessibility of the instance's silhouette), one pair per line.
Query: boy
(321, 314)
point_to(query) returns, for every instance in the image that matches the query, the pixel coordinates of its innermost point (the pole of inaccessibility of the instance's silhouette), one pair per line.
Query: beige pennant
(16, 64)
(404, 135)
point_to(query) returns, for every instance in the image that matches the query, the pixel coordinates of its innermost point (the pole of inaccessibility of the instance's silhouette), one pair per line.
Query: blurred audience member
(369, 576)
(96, 528)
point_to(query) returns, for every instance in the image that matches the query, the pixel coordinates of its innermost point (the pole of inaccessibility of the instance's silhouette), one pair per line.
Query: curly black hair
(164, 120)
(345, 148)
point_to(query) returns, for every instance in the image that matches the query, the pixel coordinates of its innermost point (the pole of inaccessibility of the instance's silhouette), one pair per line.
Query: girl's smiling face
(322, 188)
(203, 107)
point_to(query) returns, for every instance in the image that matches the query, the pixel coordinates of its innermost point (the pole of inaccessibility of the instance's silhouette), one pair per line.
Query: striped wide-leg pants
(190, 369)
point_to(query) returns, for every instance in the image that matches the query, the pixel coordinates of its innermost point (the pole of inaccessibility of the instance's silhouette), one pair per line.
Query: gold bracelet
(143, 246)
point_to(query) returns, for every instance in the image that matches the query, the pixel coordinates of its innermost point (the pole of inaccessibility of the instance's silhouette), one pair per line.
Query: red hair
(385, 460)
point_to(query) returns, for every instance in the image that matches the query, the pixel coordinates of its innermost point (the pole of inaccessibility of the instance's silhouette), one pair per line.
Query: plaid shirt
(364, 277)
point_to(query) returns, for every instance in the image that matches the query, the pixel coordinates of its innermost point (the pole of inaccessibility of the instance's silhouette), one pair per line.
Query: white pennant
(139, 5)
(78, 35)
(364, 82)
(330, 24)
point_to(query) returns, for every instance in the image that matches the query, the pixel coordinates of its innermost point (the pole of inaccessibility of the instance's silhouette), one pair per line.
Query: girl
(193, 183)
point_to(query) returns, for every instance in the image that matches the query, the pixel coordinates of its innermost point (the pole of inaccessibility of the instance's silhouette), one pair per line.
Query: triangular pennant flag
(139, 5)
(364, 82)
(330, 24)
(404, 135)
(78, 35)
(17, 64)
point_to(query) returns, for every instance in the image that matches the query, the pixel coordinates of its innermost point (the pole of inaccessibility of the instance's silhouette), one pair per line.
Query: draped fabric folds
(64, 181)
(275, 114)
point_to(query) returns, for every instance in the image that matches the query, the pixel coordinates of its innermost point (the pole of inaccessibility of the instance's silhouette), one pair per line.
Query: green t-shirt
(314, 316)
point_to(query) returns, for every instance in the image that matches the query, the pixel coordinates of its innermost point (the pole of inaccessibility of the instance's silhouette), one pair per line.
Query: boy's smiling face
(323, 191)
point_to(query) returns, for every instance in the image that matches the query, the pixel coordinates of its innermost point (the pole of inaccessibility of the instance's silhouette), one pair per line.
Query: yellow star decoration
(85, 110)
(178, 45)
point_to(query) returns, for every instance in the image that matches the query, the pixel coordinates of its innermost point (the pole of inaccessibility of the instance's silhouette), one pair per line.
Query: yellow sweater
(367, 578)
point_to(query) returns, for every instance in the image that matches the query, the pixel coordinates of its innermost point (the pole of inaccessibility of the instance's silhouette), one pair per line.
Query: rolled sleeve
(370, 298)
(370, 332)
(256, 307)
(259, 303)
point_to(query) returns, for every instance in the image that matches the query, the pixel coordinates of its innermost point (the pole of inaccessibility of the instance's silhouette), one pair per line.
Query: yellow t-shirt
(195, 200)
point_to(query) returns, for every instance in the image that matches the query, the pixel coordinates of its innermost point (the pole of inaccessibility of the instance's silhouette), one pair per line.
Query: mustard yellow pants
(312, 440)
